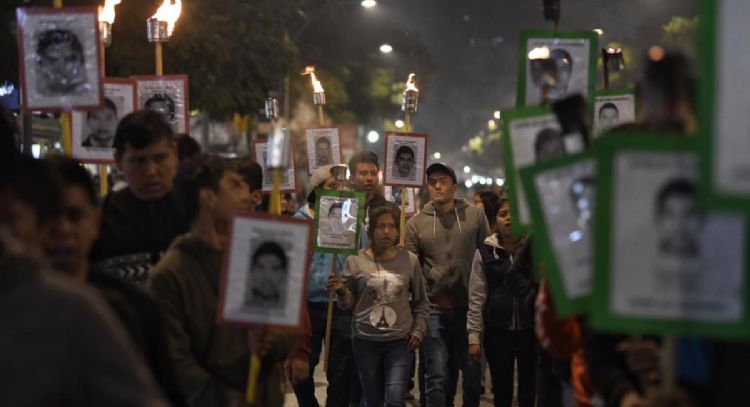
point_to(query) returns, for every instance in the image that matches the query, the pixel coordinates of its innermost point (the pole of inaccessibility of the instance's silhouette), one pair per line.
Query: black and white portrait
(323, 147)
(729, 104)
(611, 111)
(265, 277)
(566, 197)
(405, 159)
(166, 95)
(533, 140)
(94, 131)
(59, 51)
(288, 177)
(672, 258)
(394, 194)
(565, 71)
(337, 222)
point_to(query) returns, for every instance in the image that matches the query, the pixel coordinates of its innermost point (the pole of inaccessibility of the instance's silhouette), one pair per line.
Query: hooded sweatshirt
(445, 245)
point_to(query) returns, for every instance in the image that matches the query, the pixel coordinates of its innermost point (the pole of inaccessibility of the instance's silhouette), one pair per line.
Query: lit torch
(106, 19)
(160, 27)
(410, 100)
(612, 61)
(319, 95)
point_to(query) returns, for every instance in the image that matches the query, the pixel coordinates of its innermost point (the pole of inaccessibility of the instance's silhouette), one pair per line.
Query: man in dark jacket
(211, 360)
(140, 221)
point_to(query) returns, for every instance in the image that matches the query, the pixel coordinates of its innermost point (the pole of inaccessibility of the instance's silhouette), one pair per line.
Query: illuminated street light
(496, 115)
(500, 182)
(399, 124)
(386, 48)
(467, 169)
(373, 136)
(369, 3)
(599, 31)
(491, 125)
(437, 155)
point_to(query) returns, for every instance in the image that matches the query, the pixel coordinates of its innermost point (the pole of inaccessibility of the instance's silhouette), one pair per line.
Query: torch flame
(317, 86)
(539, 53)
(169, 12)
(107, 12)
(411, 83)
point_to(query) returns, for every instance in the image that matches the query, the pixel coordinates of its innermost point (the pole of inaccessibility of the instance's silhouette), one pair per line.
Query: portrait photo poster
(575, 55)
(393, 194)
(289, 177)
(613, 108)
(94, 131)
(664, 263)
(323, 147)
(533, 136)
(561, 195)
(724, 103)
(167, 95)
(59, 53)
(339, 221)
(264, 281)
(405, 159)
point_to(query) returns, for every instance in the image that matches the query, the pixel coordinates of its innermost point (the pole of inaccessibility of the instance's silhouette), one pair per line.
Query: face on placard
(404, 163)
(323, 151)
(75, 233)
(365, 178)
(678, 226)
(102, 125)
(233, 196)
(441, 188)
(62, 67)
(149, 171)
(386, 231)
(608, 116)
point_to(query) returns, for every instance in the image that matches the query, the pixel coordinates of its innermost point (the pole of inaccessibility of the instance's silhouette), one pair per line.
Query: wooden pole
(321, 115)
(65, 122)
(329, 318)
(159, 58)
(669, 365)
(402, 224)
(103, 168)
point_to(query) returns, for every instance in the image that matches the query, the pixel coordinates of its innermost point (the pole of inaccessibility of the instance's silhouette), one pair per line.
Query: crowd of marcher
(114, 303)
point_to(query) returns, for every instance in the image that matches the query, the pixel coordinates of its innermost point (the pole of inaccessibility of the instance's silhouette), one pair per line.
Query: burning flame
(539, 53)
(107, 12)
(411, 83)
(317, 86)
(169, 12)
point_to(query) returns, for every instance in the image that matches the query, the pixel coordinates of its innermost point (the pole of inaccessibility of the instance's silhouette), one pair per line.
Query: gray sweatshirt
(445, 244)
(388, 296)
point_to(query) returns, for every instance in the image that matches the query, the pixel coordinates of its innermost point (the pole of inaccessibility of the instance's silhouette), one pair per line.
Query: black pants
(503, 347)
(343, 383)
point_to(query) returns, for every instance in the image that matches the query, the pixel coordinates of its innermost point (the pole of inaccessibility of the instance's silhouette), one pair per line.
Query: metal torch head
(319, 98)
(410, 101)
(156, 30)
(272, 109)
(615, 61)
(278, 155)
(105, 31)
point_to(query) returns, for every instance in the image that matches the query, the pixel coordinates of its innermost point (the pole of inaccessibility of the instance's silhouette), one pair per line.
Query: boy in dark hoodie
(445, 236)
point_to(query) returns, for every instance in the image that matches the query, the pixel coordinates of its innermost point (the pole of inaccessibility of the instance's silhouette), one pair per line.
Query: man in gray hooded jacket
(445, 236)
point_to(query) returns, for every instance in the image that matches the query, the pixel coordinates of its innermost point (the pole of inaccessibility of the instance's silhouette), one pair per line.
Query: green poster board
(663, 263)
(526, 132)
(575, 54)
(339, 220)
(561, 198)
(724, 107)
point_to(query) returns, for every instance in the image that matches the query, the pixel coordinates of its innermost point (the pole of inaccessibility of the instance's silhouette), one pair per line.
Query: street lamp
(399, 124)
(386, 48)
(467, 169)
(598, 31)
(496, 115)
(373, 136)
(369, 3)
(437, 155)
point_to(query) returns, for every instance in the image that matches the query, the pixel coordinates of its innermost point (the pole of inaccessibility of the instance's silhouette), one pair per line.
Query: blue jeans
(384, 369)
(446, 339)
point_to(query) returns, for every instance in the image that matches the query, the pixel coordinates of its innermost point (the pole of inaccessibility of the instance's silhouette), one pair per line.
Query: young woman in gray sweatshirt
(383, 284)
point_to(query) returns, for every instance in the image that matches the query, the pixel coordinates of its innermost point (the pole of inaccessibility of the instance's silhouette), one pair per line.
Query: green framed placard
(663, 263)
(724, 105)
(339, 220)
(575, 53)
(532, 134)
(612, 108)
(561, 198)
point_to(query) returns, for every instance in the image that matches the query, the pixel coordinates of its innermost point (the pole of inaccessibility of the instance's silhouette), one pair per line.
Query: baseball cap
(440, 168)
